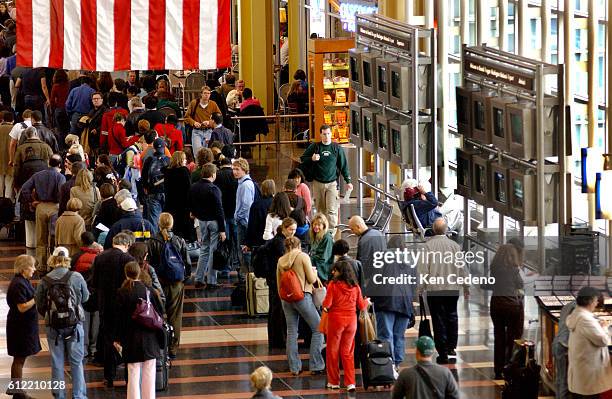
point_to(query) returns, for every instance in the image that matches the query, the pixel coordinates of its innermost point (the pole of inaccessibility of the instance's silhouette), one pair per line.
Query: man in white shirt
(15, 133)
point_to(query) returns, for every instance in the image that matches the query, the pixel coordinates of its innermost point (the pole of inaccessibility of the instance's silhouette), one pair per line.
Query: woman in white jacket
(280, 209)
(589, 371)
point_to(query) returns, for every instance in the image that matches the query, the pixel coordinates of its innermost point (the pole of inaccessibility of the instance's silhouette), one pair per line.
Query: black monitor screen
(355, 128)
(498, 122)
(463, 172)
(518, 194)
(354, 71)
(479, 115)
(382, 78)
(396, 84)
(367, 74)
(516, 127)
(463, 110)
(500, 187)
(368, 128)
(396, 141)
(481, 179)
(382, 136)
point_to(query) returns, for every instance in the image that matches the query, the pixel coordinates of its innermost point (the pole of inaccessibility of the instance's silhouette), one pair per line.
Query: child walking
(343, 297)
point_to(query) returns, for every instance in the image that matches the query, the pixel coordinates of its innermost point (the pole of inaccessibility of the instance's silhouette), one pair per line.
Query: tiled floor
(221, 345)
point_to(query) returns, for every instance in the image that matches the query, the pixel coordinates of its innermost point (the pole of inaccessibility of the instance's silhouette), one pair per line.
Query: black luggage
(7, 211)
(162, 363)
(238, 296)
(522, 374)
(377, 364)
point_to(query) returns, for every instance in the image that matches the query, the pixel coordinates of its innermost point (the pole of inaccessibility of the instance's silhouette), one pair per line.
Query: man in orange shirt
(198, 116)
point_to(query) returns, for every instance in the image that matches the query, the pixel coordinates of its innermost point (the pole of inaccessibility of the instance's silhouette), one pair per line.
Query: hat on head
(425, 345)
(61, 251)
(159, 144)
(129, 204)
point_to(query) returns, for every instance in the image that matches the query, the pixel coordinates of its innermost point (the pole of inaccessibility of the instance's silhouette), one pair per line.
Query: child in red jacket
(343, 297)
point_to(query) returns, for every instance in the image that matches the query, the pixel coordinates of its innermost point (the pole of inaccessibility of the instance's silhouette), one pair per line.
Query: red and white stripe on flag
(118, 35)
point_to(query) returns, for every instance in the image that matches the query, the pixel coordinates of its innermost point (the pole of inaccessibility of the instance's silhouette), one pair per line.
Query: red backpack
(290, 288)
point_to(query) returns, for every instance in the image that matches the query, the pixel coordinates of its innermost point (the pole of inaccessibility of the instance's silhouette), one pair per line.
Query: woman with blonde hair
(88, 193)
(70, 226)
(321, 246)
(138, 345)
(22, 338)
(66, 340)
(176, 184)
(171, 277)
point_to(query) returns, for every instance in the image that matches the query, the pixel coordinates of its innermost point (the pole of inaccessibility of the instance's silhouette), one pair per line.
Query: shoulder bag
(146, 315)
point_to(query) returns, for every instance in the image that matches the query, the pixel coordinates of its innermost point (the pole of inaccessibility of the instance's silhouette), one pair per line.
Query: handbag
(146, 315)
(367, 329)
(221, 255)
(318, 293)
(324, 322)
(425, 324)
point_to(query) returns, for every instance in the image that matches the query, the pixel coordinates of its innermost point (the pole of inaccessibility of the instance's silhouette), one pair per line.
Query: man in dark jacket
(393, 302)
(220, 133)
(44, 132)
(152, 115)
(108, 275)
(153, 182)
(228, 185)
(370, 242)
(30, 157)
(130, 220)
(205, 205)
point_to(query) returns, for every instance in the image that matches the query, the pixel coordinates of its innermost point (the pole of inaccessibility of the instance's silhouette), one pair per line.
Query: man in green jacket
(324, 160)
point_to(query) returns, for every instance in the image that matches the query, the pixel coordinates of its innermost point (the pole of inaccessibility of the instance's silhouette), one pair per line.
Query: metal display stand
(416, 47)
(523, 78)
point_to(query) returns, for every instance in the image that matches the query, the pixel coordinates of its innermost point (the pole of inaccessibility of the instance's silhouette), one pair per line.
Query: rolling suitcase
(522, 374)
(256, 295)
(376, 364)
(162, 363)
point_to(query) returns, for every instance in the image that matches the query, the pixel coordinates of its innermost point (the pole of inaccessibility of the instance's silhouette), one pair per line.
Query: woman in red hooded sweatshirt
(343, 297)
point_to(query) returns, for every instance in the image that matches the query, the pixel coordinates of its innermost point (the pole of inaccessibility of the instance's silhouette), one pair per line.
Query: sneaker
(332, 386)
(395, 372)
(351, 388)
(442, 360)
(451, 352)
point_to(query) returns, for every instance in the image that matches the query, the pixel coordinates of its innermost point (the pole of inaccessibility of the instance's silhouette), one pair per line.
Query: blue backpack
(171, 266)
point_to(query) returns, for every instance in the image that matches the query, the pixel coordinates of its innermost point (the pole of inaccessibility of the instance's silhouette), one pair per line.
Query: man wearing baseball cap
(426, 380)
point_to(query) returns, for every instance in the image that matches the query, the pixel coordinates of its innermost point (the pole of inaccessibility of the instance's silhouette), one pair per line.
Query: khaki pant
(44, 211)
(30, 233)
(174, 293)
(326, 200)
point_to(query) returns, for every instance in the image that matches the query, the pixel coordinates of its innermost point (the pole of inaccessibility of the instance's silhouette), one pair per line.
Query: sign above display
(383, 36)
(512, 76)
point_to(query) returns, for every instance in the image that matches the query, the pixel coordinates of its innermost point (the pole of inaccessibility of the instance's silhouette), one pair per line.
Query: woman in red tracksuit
(117, 139)
(343, 297)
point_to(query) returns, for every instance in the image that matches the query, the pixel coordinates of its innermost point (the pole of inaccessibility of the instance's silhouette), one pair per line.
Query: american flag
(118, 35)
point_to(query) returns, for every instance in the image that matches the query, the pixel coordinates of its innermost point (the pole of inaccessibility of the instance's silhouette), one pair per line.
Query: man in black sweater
(228, 185)
(206, 206)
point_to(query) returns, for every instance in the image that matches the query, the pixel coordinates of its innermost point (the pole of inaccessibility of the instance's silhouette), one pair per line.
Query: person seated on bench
(424, 201)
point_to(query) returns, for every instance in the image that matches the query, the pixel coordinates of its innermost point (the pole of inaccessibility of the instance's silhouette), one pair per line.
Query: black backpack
(257, 195)
(155, 178)
(61, 304)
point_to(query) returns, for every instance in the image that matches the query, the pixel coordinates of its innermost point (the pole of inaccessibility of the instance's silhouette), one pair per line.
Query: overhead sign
(350, 8)
(383, 37)
(489, 70)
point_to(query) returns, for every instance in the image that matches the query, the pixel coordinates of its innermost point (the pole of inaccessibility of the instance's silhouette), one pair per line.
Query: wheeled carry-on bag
(257, 295)
(162, 363)
(376, 364)
(522, 374)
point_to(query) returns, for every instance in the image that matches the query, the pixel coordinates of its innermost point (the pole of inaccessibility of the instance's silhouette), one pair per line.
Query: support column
(569, 62)
(256, 60)
(388, 8)
(609, 124)
(297, 36)
(443, 23)
(593, 94)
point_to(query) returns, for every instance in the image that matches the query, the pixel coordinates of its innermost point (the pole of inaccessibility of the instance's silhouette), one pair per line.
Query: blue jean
(209, 230)
(560, 356)
(199, 139)
(75, 347)
(231, 231)
(74, 120)
(153, 205)
(245, 260)
(293, 311)
(391, 327)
